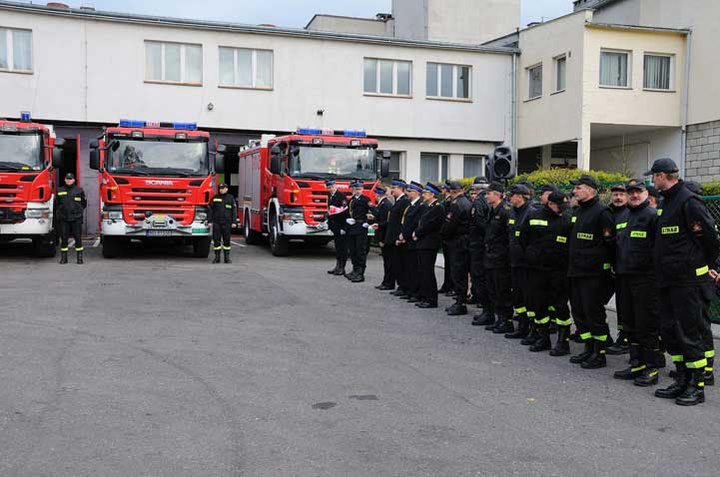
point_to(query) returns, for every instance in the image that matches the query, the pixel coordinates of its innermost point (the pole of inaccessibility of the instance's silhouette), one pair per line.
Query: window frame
(443, 165)
(395, 78)
(671, 73)
(254, 68)
(10, 53)
(183, 62)
(455, 76)
(483, 164)
(556, 62)
(529, 71)
(629, 55)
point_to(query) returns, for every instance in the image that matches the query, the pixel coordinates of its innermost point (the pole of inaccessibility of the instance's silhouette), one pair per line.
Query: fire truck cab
(30, 155)
(156, 181)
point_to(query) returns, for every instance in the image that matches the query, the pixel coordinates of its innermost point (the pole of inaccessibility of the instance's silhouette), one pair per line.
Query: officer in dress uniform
(381, 214)
(337, 213)
(70, 204)
(394, 229)
(427, 238)
(447, 287)
(223, 217)
(409, 222)
(455, 233)
(357, 232)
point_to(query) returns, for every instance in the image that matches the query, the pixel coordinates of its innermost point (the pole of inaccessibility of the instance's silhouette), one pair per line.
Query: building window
(658, 72)
(474, 166)
(244, 68)
(560, 73)
(614, 69)
(535, 74)
(395, 165)
(387, 77)
(433, 167)
(445, 81)
(173, 63)
(16, 50)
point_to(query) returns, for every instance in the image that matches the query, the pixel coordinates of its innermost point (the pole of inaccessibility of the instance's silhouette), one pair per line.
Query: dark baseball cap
(666, 165)
(496, 187)
(455, 185)
(520, 189)
(223, 186)
(70, 175)
(480, 180)
(548, 188)
(587, 180)
(636, 186)
(618, 188)
(557, 197)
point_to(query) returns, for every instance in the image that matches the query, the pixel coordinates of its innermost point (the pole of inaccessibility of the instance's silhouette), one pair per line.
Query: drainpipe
(514, 114)
(686, 105)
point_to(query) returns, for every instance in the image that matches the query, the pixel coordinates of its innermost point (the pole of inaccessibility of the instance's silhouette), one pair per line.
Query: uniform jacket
(686, 242)
(410, 221)
(382, 213)
(457, 218)
(544, 240)
(518, 215)
(497, 247)
(358, 209)
(70, 203)
(479, 215)
(592, 240)
(336, 222)
(223, 209)
(394, 226)
(636, 240)
(428, 231)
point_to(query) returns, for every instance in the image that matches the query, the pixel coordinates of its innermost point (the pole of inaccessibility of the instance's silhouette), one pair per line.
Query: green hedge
(561, 177)
(711, 188)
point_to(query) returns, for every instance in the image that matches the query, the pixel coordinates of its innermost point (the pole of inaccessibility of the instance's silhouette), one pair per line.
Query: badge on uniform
(696, 227)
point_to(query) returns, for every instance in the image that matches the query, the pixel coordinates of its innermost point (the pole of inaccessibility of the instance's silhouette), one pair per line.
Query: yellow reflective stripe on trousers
(551, 308)
(702, 271)
(602, 338)
(543, 321)
(710, 354)
(585, 336)
(560, 322)
(521, 310)
(639, 368)
(217, 248)
(64, 249)
(79, 249)
(699, 364)
(227, 248)
(678, 358)
(531, 314)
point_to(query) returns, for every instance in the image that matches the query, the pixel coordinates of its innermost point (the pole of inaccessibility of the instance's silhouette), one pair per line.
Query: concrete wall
(411, 19)
(362, 26)
(703, 152)
(703, 17)
(635, 153)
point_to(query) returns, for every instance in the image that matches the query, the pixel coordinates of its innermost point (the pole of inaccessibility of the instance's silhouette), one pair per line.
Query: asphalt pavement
(158, 364)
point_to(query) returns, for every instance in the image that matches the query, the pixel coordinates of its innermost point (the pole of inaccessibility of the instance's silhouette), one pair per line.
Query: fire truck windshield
(20, 152)
(337, 162)
(152, 158)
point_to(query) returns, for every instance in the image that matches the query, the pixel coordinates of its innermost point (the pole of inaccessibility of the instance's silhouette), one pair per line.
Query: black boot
(562, 347)
(709, 374)
(217, 257)
(80, 260)
(543, 342)
(695, 391)
(63, 258)
(227, 256)
(340, 272)
(678, 387)
(336, 269)
(649, 376)
(352, 274)
(458, 309)
(597, 359)
(505, 326)
(486, 318)
(580, 358)
(359, 276)
(522, 330)
(620, 346)
(637, 365)
(532, 336)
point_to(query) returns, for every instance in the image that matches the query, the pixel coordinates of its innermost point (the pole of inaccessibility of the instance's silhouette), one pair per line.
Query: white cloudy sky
(290, 13)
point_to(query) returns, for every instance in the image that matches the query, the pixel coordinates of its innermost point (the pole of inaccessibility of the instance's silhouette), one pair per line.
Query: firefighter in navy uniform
(592, 249)
(337, 213)
(619, 208)
(357, 232)
(455, 233)
(409, 222)
(686, 244)
(223, 217)
(544, 238)
(70, 204)
(428, 239)
(497, 255)
(479, 216)
(520, 197)
(381, 214)
(394, 228)
(637, 294)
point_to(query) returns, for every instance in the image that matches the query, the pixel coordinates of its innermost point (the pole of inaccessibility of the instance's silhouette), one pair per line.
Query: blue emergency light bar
(352, 133)
(329, 132)
(309, 132)
(134, 123)
(25, 116)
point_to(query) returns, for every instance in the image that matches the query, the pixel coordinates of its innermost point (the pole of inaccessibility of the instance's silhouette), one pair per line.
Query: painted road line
(238, 244)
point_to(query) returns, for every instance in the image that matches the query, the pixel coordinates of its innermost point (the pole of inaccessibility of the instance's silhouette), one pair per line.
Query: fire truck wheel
(251, 237)
(279, 245)
(44, 247)
(111, 247)
(201, 247)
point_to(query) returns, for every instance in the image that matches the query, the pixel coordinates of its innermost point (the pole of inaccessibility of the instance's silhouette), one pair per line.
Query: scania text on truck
(281, 182)
(155, 180)
(30, 155)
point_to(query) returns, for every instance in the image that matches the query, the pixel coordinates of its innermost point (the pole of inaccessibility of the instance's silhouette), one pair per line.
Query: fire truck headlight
(293, 217)
(37, 213)
(201, 215)
(113, 215)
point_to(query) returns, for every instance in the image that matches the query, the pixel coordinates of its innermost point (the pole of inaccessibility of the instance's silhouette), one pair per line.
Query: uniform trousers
(357, 246)
(588, 296)
(221, 236)
(68, 228)
(499, 281)
(428, 289)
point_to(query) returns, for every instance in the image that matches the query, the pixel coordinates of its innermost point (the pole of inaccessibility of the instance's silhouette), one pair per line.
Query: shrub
(711, 188)
(562, 177)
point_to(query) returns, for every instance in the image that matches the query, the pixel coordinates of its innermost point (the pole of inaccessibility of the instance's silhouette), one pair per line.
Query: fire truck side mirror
(219, 162)
(94, 156)
(57, 157)
(385, 168)
(275, 164)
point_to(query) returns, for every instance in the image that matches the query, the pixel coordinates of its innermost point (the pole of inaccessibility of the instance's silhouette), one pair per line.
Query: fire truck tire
(111, 247)
(251, 237)
(201, 247)
(44, 247)
(279, 245)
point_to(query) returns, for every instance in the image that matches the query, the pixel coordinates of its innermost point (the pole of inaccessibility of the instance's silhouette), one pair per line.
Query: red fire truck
(29, 157)
(155, 180)
(281, 182)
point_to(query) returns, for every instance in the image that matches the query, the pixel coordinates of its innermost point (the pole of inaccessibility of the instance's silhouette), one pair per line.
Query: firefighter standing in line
(409, 222)
(544, 237)
(394, 228)
(381, 213)
(427, 238)
(357, 232)
(637, 294)
(592, 247)
(70, 204)
(497, 255)
(686, 244)
(619, 208)
(223, 217)
(479, 216)
(455, 233)
(447, 288)
(337, 213)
